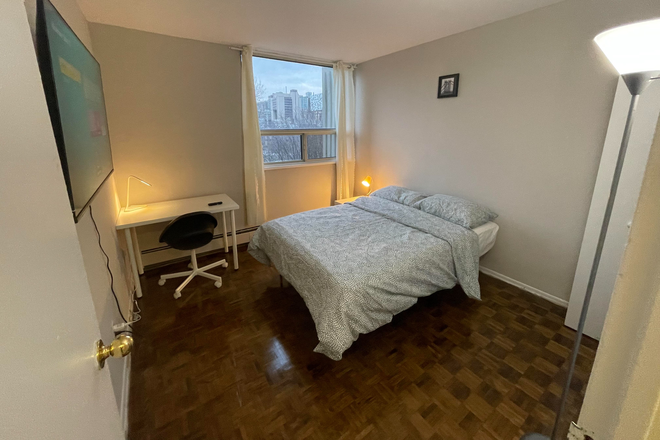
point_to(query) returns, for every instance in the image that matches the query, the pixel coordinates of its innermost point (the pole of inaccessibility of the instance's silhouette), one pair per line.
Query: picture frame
(448, 86)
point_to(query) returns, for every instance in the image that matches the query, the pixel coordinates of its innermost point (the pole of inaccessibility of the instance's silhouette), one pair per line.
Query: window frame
(303, 133)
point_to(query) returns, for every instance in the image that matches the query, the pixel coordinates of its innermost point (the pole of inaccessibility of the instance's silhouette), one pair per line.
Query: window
(296, 111)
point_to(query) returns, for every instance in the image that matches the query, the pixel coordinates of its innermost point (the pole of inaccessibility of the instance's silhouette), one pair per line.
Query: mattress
(487, 234)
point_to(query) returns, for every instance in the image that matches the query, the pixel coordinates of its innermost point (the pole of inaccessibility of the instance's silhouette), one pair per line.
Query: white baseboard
(527, 288)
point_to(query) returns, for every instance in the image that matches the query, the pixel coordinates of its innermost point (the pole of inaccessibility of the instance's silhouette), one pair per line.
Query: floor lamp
(634, 50)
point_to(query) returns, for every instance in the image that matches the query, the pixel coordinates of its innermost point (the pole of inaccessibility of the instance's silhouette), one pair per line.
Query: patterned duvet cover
(357, 265)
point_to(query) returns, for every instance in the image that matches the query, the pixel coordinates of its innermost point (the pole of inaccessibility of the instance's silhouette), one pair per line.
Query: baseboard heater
(215, 237)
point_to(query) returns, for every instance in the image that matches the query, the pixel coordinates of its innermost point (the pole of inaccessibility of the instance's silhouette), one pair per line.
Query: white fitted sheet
(487, 234)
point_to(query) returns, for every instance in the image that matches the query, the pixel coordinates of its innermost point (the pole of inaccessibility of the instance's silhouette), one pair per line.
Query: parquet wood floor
(237, 363)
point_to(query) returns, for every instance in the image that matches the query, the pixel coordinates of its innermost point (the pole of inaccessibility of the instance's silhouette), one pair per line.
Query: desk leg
(224, 231)
(131, 254)
(233, 239)
(138, 254)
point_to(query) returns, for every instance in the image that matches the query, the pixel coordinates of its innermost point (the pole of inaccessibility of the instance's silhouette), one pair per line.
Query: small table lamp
(367, 182)
(634, 51)
(128, 207)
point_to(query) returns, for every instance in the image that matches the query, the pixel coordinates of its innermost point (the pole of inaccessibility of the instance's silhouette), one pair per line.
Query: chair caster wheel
(218, 284)
(161, 282)
(177, 295)
(225, 265)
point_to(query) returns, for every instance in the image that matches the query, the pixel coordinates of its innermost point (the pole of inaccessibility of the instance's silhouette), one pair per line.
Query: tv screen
(72, 83)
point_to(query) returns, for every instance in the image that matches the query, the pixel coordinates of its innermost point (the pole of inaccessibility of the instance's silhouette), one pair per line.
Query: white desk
(166, 211)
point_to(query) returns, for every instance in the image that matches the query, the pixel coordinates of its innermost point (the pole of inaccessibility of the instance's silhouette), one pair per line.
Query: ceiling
(349, 30)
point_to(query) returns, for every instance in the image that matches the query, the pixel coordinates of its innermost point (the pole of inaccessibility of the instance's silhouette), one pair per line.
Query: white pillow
(456, 210)
(398, 194)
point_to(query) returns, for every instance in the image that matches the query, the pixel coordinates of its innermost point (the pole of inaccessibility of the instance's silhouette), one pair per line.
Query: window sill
(272, 166)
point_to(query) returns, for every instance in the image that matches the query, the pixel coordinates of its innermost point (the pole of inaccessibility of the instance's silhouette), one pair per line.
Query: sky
(277, 75)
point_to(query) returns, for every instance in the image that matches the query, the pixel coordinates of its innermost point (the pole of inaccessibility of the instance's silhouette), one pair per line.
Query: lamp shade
(632, 48)
(367, 181)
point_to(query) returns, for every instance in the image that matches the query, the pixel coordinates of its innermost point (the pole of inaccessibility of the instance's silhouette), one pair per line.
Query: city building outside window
(296, 111)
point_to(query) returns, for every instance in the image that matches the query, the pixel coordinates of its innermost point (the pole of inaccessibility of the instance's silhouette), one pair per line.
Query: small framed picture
(448, 86)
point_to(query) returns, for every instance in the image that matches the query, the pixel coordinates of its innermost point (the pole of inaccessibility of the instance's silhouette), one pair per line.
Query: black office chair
(189, 232)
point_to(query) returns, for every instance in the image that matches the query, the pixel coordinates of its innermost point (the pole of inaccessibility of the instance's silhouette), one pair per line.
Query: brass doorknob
(120, 347)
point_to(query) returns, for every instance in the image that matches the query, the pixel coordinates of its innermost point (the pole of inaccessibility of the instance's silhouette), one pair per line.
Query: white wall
(524, 135)
(623, 395)
(50, 386)
(105, 209)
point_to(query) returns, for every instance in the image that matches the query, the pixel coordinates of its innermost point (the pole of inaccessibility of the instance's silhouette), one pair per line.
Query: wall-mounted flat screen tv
(72, 83)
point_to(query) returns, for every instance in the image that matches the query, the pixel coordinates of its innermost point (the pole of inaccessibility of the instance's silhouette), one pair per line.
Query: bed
(486, 235)
(358, 264)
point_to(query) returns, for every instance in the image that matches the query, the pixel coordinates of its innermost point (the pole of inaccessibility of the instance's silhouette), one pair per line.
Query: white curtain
(345, 116)
(255, 180)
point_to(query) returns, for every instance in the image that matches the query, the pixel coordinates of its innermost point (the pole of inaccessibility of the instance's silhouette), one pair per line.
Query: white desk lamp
(634, 50)
(130, 208)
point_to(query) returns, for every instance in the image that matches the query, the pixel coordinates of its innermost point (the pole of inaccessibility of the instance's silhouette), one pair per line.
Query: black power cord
(107, 265)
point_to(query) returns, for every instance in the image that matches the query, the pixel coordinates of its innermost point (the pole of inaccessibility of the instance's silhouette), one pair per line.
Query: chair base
(190, 274)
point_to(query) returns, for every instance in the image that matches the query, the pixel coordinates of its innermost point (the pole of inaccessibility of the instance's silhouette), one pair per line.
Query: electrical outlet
(576, 432)
(121, 327)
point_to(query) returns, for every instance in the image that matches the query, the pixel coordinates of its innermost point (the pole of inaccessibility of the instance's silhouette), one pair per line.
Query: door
(50, 387)
(632, 174)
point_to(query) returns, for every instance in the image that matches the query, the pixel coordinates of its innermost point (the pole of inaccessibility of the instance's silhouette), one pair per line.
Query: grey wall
(523, 137)
(292, 190)
(174, 114)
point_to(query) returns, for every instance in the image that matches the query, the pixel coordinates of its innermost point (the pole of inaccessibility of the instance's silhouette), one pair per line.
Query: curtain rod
(290, 57)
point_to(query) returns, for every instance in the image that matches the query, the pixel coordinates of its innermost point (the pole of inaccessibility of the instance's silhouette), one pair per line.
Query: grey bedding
(357, 265)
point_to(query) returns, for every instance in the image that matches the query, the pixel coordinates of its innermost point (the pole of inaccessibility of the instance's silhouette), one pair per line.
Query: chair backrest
(189, 231)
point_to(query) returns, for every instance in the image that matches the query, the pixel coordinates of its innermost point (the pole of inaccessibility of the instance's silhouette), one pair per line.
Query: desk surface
(164, 211)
